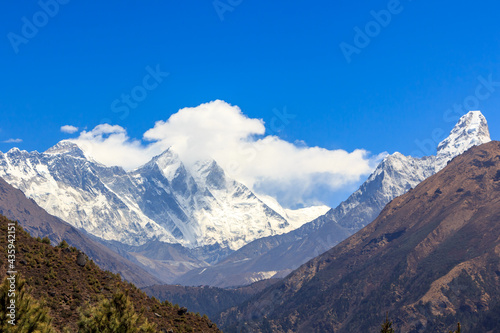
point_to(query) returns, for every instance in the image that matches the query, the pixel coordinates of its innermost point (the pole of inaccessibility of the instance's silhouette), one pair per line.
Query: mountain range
(430, 258)
(197, 211)
(163, 199)
(193, 225)
(277, 256)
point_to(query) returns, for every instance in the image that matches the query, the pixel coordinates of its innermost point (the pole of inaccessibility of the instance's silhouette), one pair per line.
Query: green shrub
(31, 316)
(115, 315)
(63, 244)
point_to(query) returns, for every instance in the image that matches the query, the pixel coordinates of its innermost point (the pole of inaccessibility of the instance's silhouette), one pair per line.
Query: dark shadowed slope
(207, 300)
(15, 206)
(431, 258)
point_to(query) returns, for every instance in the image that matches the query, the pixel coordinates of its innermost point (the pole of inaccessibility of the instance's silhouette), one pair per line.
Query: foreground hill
(15, 206)
(431, 259)
(65, 280)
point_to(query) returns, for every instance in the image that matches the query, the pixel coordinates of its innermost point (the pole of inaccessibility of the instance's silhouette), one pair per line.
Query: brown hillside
(431, 259)
(57, 279)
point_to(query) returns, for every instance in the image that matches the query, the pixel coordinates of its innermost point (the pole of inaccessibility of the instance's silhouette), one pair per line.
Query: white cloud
(13, 141)
(111, 146)
(292, 173)
(214, 129)
(69, 129)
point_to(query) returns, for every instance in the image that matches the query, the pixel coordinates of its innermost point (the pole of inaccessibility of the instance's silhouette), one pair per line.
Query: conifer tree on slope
(30, 315)
(114, 315)
(458, 329)
(387, 325)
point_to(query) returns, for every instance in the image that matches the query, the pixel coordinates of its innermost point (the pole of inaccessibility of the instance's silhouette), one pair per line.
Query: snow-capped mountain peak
(66, 147)
(169, 163)
(397, 173)
(209, 173)
(14, 150)
(471, 130)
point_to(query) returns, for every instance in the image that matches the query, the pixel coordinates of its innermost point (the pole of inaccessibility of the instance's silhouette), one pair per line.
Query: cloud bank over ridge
(218, 130)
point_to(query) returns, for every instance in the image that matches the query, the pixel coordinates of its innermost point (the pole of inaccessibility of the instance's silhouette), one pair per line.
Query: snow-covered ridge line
(471, 130)
(397, 173)
(162, 200)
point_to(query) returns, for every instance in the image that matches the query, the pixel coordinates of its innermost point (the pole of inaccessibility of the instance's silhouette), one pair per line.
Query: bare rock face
(81, 259)
(182, 311)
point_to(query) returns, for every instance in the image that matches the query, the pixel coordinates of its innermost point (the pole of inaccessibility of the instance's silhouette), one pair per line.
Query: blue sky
(259, 55)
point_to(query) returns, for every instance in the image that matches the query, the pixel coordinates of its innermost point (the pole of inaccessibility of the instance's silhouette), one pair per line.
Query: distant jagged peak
(209, 172)
(471, 130)
(168, 162)
(171, 156)
(397, 173)
(168, 156)
(394, 159)
(204, 167)
(66, 147)
(15, 150)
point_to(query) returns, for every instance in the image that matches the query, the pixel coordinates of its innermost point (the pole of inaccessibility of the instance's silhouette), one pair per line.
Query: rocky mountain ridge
(430, 259)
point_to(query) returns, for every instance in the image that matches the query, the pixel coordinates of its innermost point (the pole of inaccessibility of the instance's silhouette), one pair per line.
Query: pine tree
(458, 329)
(115, 315)
(63, 244)
(30, 315)
(387, 326)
